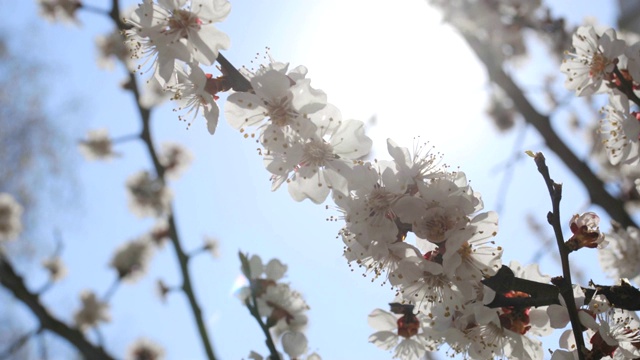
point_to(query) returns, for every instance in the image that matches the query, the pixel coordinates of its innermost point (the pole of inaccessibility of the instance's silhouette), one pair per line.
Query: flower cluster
(604, 64)
(621, 258)
(409, 220)
(305, 142)
(593, 62)
(283, 309)
(177, 37)
(610, 332)
(404, 333)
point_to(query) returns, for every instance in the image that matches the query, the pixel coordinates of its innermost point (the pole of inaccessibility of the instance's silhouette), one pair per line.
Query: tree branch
(15, 284)
(187, 287)
(594, 186)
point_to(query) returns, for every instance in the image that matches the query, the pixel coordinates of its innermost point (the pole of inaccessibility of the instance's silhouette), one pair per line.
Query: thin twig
(564, 284)
(111, 290)
(626, 86)
(125, 138)
(18, 344)
(42, 342)
(510, 168)
(253, 309)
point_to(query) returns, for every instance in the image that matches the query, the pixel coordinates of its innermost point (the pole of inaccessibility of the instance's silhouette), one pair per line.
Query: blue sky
(372, 59)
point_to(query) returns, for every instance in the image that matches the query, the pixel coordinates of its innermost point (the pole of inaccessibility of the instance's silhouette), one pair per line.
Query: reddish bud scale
(278, 313)
(434, 255)
(601, 347)
(259, 286)
(516, 321)
(217, 85)
(408, 325)
(636, 114)
(514, 318)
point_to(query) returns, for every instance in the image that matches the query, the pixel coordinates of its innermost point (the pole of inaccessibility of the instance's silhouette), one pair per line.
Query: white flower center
(281, 112)
(181, 21)
(379, 201)
(435, 224)
(598, 64)
(317, 153)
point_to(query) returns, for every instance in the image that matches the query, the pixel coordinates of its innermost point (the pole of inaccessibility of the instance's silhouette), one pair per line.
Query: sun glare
(398, 67)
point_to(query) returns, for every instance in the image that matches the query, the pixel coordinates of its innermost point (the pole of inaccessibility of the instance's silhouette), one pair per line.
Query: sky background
(394, 62)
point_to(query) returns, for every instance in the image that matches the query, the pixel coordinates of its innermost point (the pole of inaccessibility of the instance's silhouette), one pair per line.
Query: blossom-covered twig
(252, 304)
(187, 287)
(593, 185)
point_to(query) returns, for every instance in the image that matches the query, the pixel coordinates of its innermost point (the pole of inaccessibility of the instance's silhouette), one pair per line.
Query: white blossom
(167, 31)
(400, 334)
(132, 258)
(593, 61)
(193, 97)
(92, 312)
(56, 268)
(621, 258)
(10, 214)
(145, 349)
(97, 145)
(59, 10)
(620, 131)
(148, 196)
(175, 158)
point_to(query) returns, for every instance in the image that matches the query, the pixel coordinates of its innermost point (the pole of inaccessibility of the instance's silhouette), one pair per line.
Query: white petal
(385, 340)
(307, 99)
(275, 270)
(294, 344)
(382, 320)
(243, 109)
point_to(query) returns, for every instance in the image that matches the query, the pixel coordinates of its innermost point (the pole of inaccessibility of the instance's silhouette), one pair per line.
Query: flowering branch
(307, 146)
(187, 287)
(593, 185)
(252, 305)
(12, 281)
